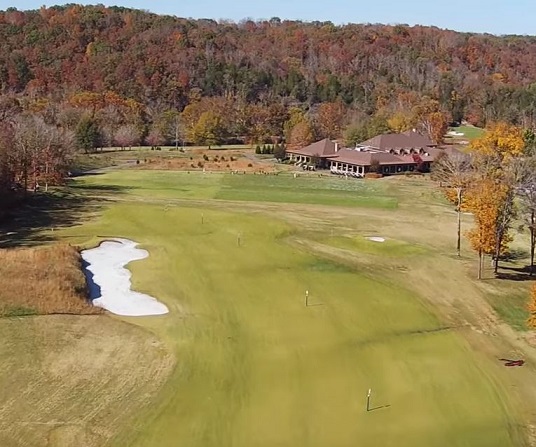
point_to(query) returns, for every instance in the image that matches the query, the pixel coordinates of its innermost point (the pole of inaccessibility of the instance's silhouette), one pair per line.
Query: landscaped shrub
(200, 164)
(205, 157)
(250, 165)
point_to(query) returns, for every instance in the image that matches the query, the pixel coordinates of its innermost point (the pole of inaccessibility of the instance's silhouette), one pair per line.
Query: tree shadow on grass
(515, 273)
(34, 221)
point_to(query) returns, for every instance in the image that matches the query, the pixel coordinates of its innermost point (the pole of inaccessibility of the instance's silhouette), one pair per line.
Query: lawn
(260, 188)
(469, 132)
(256, 367)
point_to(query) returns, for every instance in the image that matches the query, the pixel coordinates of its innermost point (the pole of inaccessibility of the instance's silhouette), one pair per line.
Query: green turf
(270, 188)
(469, 132)
(257, 368)
(512, 308)
(389, 248)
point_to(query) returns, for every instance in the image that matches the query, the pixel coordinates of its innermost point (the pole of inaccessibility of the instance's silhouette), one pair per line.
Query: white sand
(109, 280)
(376, 239)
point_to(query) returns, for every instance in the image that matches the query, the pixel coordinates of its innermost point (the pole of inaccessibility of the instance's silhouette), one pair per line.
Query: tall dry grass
(46, 280)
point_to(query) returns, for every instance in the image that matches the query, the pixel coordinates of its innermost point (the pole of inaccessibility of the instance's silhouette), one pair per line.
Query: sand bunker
(109, 280)
(376, 239)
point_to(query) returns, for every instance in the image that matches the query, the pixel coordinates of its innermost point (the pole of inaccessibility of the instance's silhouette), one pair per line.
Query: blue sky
(493, 16)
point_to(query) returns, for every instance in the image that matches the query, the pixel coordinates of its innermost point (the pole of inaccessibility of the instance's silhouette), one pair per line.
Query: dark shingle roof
(406, 140)
(323, 148)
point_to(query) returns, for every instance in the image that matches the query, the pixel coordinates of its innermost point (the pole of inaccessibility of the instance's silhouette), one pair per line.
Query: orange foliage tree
(302, 134)
(500, 170)
(531, 322)
(485, 200)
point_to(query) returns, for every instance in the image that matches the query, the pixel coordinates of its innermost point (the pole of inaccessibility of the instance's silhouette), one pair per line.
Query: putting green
(255, 367)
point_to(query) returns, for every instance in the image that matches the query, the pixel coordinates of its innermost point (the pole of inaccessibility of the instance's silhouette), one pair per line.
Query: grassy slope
(257, 368)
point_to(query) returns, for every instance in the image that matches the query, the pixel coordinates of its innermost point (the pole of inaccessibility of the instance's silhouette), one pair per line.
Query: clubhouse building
(386, 154)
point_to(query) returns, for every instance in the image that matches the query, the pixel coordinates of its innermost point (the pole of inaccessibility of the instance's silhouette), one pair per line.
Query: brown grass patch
(46, 280)
(211, 160)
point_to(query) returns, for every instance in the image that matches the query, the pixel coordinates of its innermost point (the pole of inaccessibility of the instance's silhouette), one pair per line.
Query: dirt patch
(70, 380)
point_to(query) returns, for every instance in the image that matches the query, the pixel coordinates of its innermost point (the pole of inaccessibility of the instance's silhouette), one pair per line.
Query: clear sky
(492, 16)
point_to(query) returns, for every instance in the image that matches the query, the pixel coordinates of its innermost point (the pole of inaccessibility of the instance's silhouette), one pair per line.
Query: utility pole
(306, 298)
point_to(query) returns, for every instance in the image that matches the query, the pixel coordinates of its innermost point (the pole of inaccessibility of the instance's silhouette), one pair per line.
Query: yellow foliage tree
(531, 322)
(400, 122)
(502, 141)
(485, 200)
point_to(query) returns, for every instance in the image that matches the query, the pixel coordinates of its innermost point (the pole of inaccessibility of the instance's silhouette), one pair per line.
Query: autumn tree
(527, 192)
(454, 173)
(208, 130)
(531, 322)
(302, 134)
(485, 200)
(428, 116)
(330, 119)
(400, 122)
(499, 172)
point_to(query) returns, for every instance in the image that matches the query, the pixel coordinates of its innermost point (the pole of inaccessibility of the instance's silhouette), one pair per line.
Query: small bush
(200, 164)
(223, 159)
(233, 159)
(373, 175)
(250, 165)
(191, 158)
(205, 157)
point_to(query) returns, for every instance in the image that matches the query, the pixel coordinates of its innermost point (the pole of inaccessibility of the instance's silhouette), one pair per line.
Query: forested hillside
(162, 60)
(79, 78)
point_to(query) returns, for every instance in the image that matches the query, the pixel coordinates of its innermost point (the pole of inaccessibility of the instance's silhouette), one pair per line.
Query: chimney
(336, 147)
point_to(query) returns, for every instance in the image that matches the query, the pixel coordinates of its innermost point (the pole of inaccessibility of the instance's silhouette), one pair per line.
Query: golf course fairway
(256, 367)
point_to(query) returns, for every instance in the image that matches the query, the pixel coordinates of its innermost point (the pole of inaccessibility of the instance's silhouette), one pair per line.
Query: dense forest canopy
(161, 60)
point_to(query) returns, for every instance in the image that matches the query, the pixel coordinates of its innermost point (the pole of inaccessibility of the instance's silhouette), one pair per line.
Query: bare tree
(454, 172)
(513, 174)
(527, 192)
(155, 138)
(127, 136)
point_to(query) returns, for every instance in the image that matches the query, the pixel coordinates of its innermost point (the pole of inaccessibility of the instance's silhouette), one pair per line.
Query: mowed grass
(255, 367)
(260, 188)
(362, 243)
(469, 132)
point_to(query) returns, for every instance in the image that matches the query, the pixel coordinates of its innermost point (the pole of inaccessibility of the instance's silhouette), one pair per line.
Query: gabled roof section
(406, 140)
(323, 148)
(362, 158)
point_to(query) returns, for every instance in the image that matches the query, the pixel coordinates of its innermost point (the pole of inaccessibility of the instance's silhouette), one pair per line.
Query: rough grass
(71, 381)
(42, 281)
(258, 368)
